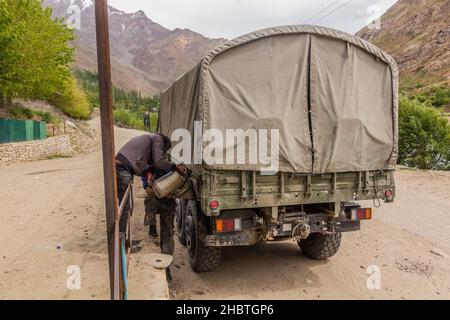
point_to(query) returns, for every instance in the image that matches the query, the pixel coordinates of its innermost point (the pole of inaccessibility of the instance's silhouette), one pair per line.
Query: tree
(8, 36)
(424, 140)
(36, 56)
(43, 55)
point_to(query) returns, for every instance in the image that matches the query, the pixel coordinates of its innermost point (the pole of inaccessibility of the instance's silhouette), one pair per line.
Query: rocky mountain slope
(417, 34)
(146, 56)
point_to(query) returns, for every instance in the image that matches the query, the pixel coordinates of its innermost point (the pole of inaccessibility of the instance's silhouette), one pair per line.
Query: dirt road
(52, 217)
(408, 242)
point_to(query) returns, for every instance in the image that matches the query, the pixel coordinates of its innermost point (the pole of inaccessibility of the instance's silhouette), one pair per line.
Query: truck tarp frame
(275, 78)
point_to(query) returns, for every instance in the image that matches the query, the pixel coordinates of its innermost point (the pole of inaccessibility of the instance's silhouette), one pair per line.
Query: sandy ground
(52, 217)
(409, 241)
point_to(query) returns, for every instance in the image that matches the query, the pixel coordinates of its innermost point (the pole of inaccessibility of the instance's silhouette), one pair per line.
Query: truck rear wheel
(320, 246)
(180, 221)
(201, 257)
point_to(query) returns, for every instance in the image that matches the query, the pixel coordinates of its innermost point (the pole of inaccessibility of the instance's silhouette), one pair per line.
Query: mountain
(145, 55)
(417, 34)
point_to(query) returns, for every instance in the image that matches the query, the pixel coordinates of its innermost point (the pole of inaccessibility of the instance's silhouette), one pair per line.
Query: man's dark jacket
(142, 151)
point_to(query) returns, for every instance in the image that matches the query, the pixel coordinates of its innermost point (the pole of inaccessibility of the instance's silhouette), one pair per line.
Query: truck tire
(320, 246)
(201, 257)
(180, 221)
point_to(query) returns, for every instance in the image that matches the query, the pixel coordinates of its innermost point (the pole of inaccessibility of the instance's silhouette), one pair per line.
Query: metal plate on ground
(159, 261)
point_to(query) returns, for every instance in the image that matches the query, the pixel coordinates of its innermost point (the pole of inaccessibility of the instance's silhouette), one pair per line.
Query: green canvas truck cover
(273, 79)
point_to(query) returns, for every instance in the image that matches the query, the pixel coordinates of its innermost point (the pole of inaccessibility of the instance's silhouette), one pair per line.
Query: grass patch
(22, 113)
(57, 156)
(130, 119)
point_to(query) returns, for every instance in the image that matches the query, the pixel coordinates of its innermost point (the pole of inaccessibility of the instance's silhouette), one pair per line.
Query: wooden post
(107, 126)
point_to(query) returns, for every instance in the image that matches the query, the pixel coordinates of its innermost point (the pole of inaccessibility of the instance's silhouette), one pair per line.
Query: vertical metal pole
(107, 126)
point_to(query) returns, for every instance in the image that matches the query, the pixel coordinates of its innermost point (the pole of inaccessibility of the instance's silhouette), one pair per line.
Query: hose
(376, 200)
(124, 270)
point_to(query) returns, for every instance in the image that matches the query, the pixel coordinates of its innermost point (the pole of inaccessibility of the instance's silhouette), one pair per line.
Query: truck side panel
(244, 189)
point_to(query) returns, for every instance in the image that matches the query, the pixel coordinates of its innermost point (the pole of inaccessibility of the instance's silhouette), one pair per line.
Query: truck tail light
(364, 213)
(228, 225)
(214, 204)
(388, 193)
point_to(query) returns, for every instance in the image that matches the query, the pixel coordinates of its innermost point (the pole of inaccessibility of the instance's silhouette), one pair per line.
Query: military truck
(333, 99)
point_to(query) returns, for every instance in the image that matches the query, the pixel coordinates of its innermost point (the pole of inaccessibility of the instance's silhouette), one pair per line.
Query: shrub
(22, 113)
(441, 97)
(73, 101)
(437, 95)
(47, 117)
(128, 119)
(424, 140)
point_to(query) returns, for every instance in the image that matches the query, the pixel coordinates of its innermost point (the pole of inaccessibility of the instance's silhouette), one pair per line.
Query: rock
(70, 124)
(36, 149)
(417, 36)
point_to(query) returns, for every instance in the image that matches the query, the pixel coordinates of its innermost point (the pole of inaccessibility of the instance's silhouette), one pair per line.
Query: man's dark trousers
(166, 209)
(124, 178)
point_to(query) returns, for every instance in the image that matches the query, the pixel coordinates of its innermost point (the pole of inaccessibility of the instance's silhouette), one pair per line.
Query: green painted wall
(21, 130)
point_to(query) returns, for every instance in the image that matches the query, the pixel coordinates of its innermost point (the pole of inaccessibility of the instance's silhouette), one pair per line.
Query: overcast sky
(232, 18)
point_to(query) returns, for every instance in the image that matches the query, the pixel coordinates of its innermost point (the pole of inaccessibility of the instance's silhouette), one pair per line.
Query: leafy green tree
(36, 56)
(129, 106)
(424, 141)
(42, 62)
(8, 35)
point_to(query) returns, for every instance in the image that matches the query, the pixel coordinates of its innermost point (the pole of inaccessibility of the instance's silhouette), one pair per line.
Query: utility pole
(107, 127)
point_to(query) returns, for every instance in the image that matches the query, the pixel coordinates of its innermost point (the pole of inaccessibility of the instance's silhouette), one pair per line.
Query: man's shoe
(152, 232)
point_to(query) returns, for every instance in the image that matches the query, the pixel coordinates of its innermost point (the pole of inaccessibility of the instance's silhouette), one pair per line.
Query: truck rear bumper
(319, 224)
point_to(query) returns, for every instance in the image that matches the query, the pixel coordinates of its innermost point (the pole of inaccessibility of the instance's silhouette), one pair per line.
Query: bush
(437, 95)
(441, 97)
(73, 101)
(22, 113)
(424, 141)
(47, 117)
(133, 119)
(128, 119)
